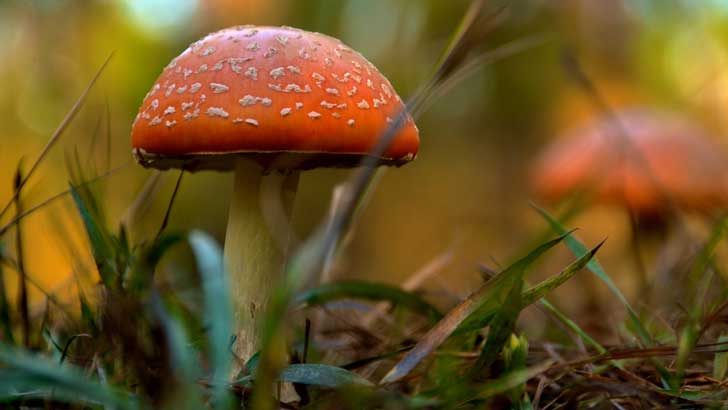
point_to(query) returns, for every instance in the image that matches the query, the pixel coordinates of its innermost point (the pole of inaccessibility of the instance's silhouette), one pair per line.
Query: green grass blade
(321, 375)
(571, 325)
(138, 278)
(501, 329)
(217, 312)
(468, 314)
(537, 292)
(578, 249)
(511, 380)
(505, 318)
(24, 373)
(182, 356)
(700, 278)
(720, 361)
(99, 238)
(369, 291)
(484, 313)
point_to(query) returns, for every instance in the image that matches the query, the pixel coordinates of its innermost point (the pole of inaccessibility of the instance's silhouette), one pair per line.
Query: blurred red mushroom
(266, 102)
(650, 162)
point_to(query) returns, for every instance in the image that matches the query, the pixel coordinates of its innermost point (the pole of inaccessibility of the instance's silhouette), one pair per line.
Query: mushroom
(266, 103)
(651, 163)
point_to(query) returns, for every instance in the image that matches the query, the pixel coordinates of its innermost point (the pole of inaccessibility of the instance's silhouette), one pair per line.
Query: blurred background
(468, 192)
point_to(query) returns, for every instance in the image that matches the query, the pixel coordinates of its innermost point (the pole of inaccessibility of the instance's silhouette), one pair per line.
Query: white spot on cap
(187, 105)
(254, 46)
(294, 69)
(170, 89)
(251, 121)
(155, 121)
(247, 101)
(155, 104)
(314, 115)
(192, 115)
(182, 89)
(327, 104)
(377, 103)
(318, 78)
(265, 101)
(370, 84)
(170, 124)
(195, 87)
(352, 92)
(186, 72)
(387, 91)
(208, 51)
(218, 88)
(218, 65)
(153, 90)
(363, 104)
(217, 112)
(237, 121)
(271, 52)
(341, 106)
(169, 110)
(336, 115)
(297, 88)
(202, 68)
(285, 112)
(328, 62)
(340, 79)
(332, 91)
(275, 87)
(299, 105)
(282, 39)
(252, 73)
(277, 72)
(351, 123)
(235, 63)
(250, 33)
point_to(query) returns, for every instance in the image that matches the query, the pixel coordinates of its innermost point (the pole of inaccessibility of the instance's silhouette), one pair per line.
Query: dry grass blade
(468, 33)
(476, 63)
(142, 201)
(22, 285)
(430, 268)
(489, 296)
(476, 23)
(55, 197)
(639, 353)
(58, 132)
(168, 212)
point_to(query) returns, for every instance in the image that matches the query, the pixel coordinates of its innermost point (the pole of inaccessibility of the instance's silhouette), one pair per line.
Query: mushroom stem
(254, 249)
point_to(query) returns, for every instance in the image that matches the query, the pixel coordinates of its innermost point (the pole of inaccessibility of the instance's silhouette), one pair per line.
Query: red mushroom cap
(300, 99)
(662, 160)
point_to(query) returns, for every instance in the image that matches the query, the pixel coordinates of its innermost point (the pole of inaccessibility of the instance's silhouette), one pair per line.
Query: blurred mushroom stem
(254, 256)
